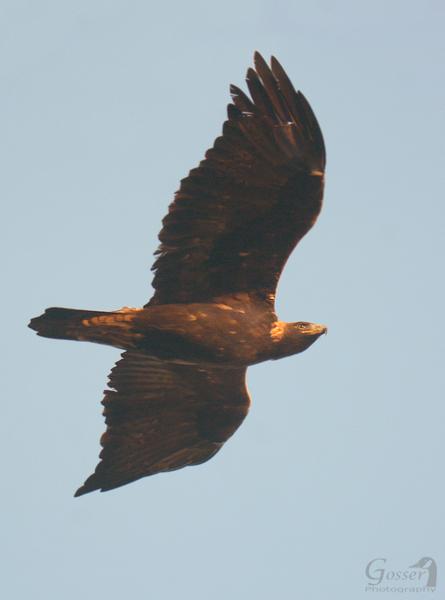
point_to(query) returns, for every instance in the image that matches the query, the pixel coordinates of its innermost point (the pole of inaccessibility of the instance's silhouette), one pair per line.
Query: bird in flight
(179, 392)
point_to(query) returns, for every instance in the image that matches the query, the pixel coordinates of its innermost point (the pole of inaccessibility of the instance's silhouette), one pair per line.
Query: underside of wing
(162, 416)
(238, 216)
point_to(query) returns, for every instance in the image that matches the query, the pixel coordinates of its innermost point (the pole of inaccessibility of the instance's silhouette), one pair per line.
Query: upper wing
(238, 216)
(162, 416)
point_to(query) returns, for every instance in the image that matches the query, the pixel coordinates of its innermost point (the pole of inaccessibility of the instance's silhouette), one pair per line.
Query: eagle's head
(304, 334)
(292, 338)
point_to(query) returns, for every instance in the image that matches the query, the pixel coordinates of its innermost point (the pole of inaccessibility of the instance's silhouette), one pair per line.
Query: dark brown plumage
(178, 392)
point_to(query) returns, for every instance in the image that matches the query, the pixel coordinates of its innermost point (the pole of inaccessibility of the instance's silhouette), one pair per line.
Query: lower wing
(163, 416)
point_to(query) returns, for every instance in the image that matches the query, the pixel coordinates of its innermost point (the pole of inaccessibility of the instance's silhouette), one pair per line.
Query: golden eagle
(178, 392)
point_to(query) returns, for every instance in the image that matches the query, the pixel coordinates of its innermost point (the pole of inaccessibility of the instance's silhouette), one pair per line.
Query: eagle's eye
(302, 325)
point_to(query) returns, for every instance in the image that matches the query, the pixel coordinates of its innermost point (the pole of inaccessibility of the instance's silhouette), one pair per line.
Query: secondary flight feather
(178, 392)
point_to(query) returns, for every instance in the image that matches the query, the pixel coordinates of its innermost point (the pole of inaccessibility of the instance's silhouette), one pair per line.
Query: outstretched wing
(162, 416)
(238, 216)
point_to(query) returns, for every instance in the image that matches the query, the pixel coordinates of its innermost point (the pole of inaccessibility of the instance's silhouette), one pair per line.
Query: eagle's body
(179, 391)
(233, 331)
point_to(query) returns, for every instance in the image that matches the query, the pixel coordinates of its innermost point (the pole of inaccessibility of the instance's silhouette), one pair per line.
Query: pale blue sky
(105, 105)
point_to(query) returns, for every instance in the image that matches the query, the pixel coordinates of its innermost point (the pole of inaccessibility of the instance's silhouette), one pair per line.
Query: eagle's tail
(111, 328)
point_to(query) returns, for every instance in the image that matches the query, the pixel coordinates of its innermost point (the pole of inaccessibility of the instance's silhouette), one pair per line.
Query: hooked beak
(319, 329)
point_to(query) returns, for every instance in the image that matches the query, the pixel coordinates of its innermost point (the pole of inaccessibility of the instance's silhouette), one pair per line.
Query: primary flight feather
(178, 392)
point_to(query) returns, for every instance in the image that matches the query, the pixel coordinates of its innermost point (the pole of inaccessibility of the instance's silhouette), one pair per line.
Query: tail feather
(111, 328)
(62, 323)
